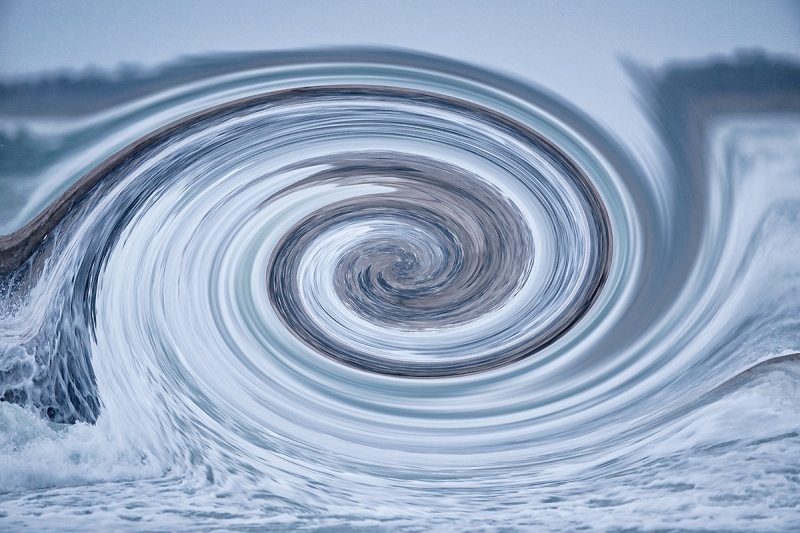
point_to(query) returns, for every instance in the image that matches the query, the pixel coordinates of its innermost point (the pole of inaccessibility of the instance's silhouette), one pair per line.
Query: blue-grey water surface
(364, 289)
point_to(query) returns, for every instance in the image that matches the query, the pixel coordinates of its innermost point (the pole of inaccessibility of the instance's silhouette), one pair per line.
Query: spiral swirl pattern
(427, 246)
(384, 282)
(278, 249)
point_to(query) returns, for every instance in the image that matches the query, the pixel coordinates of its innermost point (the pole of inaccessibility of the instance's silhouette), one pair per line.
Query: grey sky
(572, 48)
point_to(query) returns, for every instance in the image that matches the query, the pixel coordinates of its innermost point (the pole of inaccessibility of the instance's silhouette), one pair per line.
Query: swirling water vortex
(354, 284)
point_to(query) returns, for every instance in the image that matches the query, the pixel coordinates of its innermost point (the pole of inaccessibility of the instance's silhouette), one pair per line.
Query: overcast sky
(571, 48)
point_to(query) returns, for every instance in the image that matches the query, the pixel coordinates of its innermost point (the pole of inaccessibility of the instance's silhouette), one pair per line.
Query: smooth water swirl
(428, 245)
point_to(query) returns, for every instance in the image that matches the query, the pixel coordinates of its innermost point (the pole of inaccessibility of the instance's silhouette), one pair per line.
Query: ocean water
(360, 289)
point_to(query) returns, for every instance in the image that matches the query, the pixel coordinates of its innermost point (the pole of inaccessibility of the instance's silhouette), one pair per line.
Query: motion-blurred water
(367, 289)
